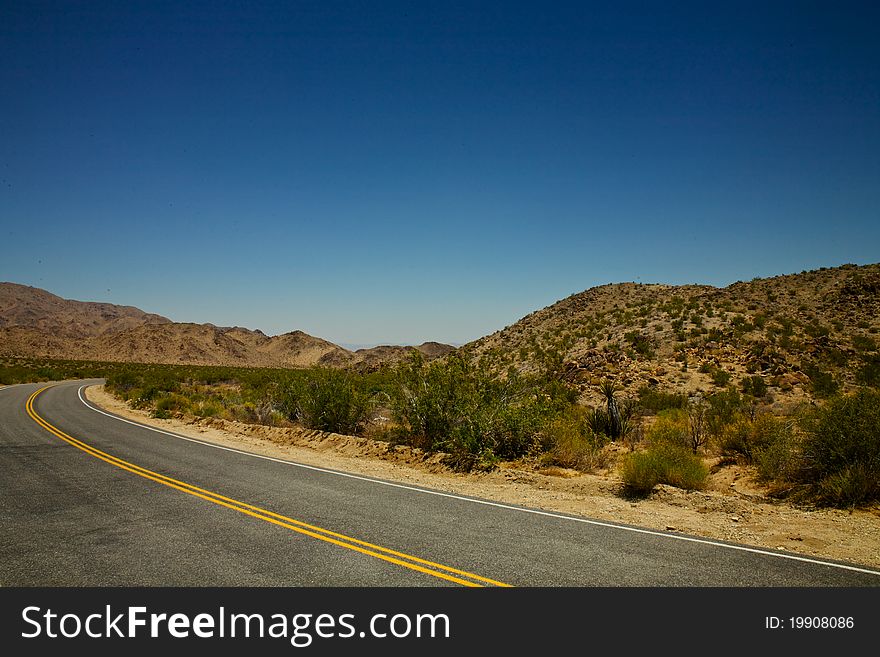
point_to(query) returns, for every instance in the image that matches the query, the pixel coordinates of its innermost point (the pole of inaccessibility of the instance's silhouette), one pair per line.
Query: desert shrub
(122, 382)
(449, 405)
(654, 401)
(841, 449)
(570, 442)
(869, 373)
(724, 408)
(720, 378)
(779, 461)
(835, 356)
(822, 384)
(848, 487)
(816, 330)
(864, 343)
(331, 400)
(775, 449)
(599, 422)
(754, 386)
(746, 436)
(172, 403)
(207, 409)
(262, 412)
(663, 463)
(643, 345)
(670, 428)
(698, 430)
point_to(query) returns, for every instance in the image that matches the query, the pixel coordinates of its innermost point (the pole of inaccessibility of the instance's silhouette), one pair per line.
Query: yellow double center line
(392, 556)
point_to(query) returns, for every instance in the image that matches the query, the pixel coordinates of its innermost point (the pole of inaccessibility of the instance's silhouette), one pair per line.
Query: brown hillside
(33, 308)
(802, 334)
(298, 349)
(375, 357)
(197, 344)
(435, 349)
(36, 323)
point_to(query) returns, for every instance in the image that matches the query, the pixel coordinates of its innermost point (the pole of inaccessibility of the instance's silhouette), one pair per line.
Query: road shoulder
(729, 512)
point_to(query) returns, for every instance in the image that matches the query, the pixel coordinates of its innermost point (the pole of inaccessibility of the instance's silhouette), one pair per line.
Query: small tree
(697, 425)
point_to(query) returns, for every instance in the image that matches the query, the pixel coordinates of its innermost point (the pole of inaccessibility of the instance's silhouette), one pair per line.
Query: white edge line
(597, 523)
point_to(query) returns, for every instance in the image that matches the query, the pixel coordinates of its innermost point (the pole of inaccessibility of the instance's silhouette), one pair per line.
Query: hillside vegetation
(786, 339)
(659, 384)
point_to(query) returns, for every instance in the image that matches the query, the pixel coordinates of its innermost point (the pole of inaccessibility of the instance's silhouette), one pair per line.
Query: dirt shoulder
(732, 509)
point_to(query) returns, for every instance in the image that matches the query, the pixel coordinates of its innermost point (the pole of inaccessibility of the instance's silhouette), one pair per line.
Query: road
(88, 499)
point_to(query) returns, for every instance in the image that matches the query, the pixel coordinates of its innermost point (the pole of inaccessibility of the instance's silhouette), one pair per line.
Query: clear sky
(397, 172)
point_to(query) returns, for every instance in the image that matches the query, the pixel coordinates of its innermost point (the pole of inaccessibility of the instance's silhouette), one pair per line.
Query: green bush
(822, 383)
(720, 378)
(754, 386)
(449, 405)
(570, 442)
(601, 423)
(869, 373)
(864, 343)
(841, 449)
(746, 437)
(122, 382)
(172, 403)
(617, 418)
(849, 486)
(816, 330)
(776, 454)
(207, 409)
(724, 409)
(670, 428)
(331, 400)
(643, 345)
(654, 401)
(663, 464)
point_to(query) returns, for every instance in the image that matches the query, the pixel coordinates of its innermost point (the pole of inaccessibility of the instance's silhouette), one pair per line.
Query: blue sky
(399, 172)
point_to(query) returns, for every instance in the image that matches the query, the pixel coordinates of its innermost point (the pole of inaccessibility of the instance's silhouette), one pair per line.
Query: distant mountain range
(37, 323)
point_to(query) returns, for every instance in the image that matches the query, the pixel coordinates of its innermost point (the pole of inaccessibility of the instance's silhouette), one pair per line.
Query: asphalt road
(87, 499)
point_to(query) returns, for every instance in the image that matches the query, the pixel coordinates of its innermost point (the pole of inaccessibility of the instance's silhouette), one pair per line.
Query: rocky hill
(786, 339)
(384, 354)
(33, 308)
(801, 336)
(36, 323)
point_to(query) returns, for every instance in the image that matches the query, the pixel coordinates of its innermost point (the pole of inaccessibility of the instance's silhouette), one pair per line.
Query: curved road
(87, 498)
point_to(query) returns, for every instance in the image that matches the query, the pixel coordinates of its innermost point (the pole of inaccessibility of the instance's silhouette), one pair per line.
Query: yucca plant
(615, 423)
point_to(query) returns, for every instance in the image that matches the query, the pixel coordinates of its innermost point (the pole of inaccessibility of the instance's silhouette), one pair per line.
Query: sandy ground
(733, 508)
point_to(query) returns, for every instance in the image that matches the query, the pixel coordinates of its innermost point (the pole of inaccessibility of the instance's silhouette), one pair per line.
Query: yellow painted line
(201, 492)
(392, 556)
